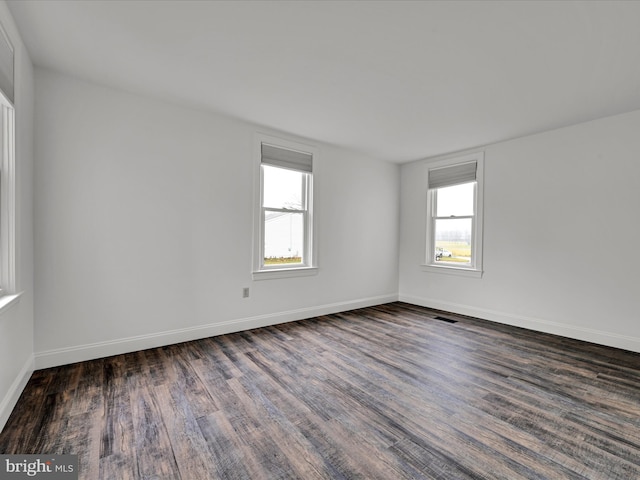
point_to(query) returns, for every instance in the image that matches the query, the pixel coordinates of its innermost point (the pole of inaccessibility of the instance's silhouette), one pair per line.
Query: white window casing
(284, 154)
(8, 272)
(448, 173)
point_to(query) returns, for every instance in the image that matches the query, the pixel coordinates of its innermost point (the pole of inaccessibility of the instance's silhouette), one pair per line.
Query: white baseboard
(11, 398)
(600, 337)
(80, 353)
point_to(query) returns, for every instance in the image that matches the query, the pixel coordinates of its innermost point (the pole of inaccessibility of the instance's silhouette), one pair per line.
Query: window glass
(283, 188)
(453, 238)
(283, 238)
(455, 201)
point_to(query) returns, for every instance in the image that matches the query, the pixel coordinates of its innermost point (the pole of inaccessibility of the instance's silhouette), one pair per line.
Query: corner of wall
(15, 390)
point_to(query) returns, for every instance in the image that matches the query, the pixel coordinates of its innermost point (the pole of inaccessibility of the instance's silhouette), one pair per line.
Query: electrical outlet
(245, 292)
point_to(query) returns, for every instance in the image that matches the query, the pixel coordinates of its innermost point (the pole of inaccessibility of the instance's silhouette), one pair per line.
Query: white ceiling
(396, 80)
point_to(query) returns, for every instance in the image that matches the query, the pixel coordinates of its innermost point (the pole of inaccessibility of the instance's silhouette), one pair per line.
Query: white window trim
(475, 270)
(9, 294)
(261, 272)
(7, 199)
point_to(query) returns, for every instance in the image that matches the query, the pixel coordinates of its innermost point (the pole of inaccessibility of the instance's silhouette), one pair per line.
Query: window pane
(456, 200)
(283, 238)
(453, 240)
(283, 188)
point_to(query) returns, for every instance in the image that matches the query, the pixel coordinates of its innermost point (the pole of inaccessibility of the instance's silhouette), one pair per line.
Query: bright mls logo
(51, 467)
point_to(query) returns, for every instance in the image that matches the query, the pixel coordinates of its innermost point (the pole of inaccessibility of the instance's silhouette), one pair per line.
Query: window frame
(9, 293)
(306, 185)
(260, 271)
(475, 269)
(7, 198)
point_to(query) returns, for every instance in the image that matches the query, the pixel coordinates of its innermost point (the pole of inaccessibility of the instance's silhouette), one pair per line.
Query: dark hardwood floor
(385, 392)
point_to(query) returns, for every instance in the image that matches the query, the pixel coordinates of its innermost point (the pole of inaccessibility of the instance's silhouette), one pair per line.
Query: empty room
(319, 239)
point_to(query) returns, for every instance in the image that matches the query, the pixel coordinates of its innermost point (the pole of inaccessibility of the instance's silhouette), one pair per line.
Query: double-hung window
(284, 239)
(454, 215)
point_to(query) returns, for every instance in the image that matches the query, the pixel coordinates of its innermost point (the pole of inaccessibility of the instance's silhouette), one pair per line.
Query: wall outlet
(245, 292)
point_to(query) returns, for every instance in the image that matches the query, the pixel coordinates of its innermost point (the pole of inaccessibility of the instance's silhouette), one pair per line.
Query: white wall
(16, 323)
(561, 235)
(144, 226)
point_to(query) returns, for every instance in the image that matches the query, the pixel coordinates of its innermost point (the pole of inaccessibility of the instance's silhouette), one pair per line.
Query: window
(454, 216)
(283, 244)
(7, 175)
(7, 198)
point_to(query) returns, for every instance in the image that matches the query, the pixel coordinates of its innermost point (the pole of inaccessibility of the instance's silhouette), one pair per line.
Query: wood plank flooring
(385, 392)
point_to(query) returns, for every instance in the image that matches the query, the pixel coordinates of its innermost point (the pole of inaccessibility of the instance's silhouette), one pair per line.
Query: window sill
(462, 272)
(285, 273)
(6, 301)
